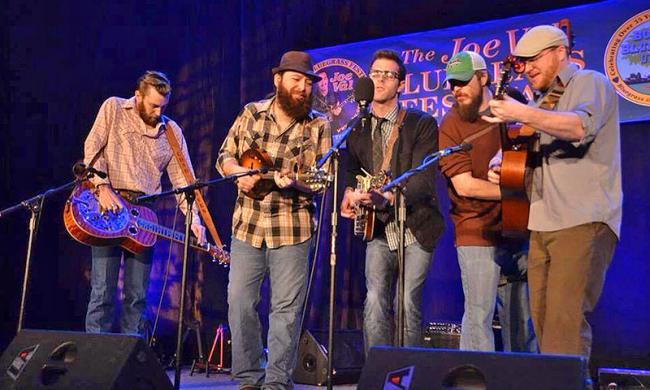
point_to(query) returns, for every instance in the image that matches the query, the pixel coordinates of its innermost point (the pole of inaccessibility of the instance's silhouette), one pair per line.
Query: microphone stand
(188, 191)
(35, 206)
(397, 186)
(334, 154)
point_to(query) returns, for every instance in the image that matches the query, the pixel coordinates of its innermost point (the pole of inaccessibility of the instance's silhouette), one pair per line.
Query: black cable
(165, 279)
(314, 256)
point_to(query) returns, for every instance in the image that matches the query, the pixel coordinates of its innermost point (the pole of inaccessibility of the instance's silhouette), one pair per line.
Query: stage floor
(198, 381)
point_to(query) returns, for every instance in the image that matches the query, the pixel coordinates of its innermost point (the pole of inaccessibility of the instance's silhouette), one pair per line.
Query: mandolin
(259, 159)
(134, 228)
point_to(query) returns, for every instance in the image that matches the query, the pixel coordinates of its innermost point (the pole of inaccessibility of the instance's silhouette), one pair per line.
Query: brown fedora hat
(297, 61)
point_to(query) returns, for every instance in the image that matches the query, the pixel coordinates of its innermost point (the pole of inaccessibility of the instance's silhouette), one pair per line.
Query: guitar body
(86, 224)
(518, 159)
(364, 223)
(134, 228)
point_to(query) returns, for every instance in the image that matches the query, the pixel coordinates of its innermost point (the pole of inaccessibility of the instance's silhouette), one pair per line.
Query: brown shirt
(477, 222)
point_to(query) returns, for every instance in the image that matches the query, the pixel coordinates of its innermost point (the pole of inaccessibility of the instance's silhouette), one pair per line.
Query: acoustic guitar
(134, 228)
(259, 159)
(364, 216)
(518, 143)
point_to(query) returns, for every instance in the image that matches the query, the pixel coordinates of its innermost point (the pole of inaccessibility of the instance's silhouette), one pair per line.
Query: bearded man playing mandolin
(272, 227)
(576, 195)
(127, 142)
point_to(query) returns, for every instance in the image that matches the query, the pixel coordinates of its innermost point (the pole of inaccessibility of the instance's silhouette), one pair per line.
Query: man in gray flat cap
(576, 196)
(271, 234)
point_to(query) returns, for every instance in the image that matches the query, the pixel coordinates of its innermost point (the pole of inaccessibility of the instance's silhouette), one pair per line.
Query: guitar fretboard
(166, 232)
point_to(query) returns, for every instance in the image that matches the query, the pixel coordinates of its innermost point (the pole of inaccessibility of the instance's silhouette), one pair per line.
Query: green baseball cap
(463, 65)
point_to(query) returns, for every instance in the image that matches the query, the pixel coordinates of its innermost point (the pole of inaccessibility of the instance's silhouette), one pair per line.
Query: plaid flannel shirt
(135, 154)
(283, 217)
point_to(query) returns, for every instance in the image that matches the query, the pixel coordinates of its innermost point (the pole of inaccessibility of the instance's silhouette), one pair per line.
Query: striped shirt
(135, 154)
(283, 217)
(391, 229)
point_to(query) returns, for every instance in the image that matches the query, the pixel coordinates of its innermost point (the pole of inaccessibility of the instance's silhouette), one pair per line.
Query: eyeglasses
(383, 74)
(521, 62)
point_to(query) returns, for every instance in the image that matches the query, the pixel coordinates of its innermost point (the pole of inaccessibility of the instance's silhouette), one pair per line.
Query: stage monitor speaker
(311, 367)
(41, 359)
(418, 368)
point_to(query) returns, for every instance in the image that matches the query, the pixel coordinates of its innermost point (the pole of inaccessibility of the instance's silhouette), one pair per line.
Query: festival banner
(612, 37)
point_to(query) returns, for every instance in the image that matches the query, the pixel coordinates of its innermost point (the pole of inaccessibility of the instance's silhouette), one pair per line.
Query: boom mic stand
(334, 154)
(35, 206)
(397, 186)
(188, 191)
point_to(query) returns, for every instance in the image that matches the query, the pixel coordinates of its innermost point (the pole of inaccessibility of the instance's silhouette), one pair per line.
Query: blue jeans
(481, 269)
(103, 281)
(381, 274)
(513, 303)
(287, 267)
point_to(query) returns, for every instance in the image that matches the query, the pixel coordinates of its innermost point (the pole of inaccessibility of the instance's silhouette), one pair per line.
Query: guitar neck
(169, 234)
(294, 176)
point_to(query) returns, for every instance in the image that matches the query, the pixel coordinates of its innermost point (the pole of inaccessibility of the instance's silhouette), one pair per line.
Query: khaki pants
(566, 273)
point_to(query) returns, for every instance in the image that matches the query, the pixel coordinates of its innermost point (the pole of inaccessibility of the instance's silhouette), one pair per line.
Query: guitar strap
(392, 137)
(553, 96)
(189, 177)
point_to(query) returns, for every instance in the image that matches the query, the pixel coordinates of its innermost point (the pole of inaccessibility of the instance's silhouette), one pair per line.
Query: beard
(469, 112)
(296, 108)
(150, 120)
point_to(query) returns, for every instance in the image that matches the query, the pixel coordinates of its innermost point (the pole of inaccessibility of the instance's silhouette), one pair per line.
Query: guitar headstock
(219, 255)
(510, 63)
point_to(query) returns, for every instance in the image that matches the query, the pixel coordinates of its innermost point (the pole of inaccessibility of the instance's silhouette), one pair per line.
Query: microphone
(463, 147)
(517, 95)
(364, 92)
(79, 169)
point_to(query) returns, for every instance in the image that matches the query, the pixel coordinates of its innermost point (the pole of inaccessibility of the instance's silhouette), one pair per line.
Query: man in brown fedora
(273, 234)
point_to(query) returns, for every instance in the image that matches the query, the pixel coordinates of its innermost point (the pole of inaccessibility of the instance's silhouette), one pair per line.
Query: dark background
(60, 60)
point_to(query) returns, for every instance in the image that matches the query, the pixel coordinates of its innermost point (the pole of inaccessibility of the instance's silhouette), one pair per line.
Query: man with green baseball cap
(464, 65)
(576, 195)
(483, 254)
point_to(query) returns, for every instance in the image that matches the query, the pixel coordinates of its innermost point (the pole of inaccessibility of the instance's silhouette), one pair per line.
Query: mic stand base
(400, 203)
(189, 197)
(334, 223)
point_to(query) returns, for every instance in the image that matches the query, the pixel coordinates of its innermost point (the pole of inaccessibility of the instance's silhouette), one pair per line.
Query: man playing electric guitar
(399, 141)
(127, 142)
(576, 197)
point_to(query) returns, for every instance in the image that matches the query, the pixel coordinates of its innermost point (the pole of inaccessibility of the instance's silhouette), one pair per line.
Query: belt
(129, 195)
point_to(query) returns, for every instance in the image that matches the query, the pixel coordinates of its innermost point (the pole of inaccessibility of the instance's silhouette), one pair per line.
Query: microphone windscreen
(79, 168)
(515, 94)
(364, 90)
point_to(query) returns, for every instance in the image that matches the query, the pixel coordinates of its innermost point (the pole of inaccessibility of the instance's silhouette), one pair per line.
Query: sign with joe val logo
(612, 37)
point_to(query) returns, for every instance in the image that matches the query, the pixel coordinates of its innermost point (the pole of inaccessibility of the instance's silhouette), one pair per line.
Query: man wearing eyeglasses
(398, 140)
(576, 197)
